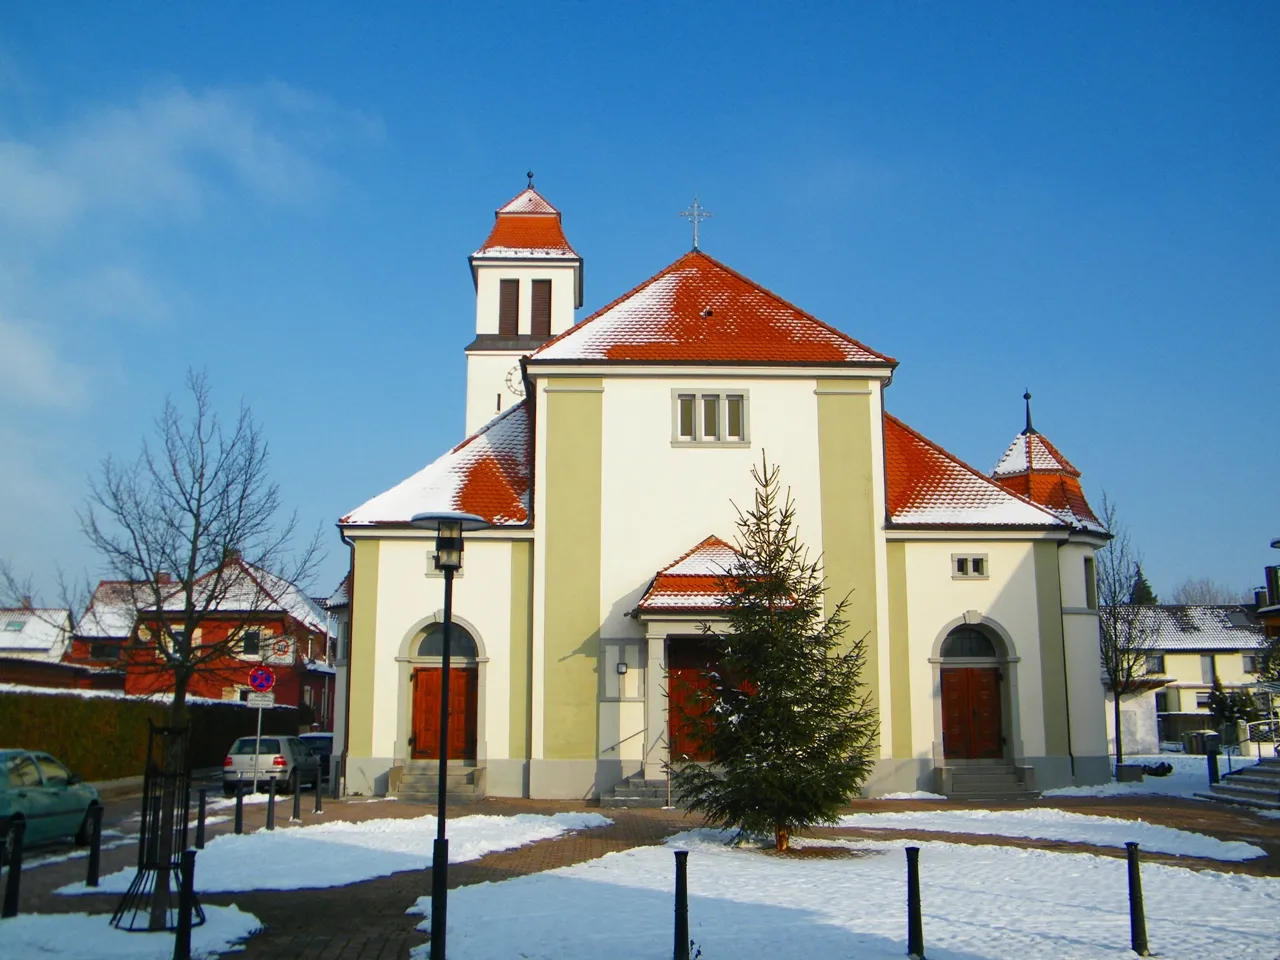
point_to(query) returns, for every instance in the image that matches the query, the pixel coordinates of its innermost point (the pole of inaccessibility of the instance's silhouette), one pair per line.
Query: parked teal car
(52, 800)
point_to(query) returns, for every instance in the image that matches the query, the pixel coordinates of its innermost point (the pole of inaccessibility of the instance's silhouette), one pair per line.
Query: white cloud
(32, 374)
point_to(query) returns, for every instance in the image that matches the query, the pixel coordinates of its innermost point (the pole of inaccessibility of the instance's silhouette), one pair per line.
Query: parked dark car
(321, 744)
(53, 801)
(284, 759)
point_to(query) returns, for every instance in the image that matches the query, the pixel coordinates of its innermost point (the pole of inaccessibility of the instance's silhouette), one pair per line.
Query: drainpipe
(351, 606)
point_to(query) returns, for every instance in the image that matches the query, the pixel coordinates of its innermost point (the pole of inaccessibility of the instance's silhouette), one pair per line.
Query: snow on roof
(487, 475)
(927, 486)
(693, 582)
(245, 588)
(37, 629)
(527, 200)
(1031, 451)
(111, 612)
(526, 227)
(1034, 468)
(341, 596)
(699, 310)
(1205, 627)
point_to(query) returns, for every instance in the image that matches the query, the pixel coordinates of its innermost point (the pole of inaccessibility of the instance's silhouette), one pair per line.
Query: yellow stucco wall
(364, 630)
(571, 532)
(521, 645)
(899, 651)
(1053, 676)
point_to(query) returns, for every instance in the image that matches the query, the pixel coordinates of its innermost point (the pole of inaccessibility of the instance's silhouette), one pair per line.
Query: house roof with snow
(340, 597)
(111, 612)
(698, 310)
(926, 486)
(242, 588)
(526, 227)
(1205, 627)
(486, 475)
(34, 629)
(692, 584)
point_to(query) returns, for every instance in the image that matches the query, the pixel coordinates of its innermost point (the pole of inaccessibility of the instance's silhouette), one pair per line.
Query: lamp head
(449, 528)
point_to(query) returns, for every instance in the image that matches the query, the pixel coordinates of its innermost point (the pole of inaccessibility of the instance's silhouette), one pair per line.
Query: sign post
(261, 679)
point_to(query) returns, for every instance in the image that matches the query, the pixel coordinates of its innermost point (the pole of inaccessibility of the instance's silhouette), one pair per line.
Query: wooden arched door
(463, 694)
(972, 722)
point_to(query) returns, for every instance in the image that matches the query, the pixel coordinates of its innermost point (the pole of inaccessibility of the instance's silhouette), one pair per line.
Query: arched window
(967, 642)
(461, 643)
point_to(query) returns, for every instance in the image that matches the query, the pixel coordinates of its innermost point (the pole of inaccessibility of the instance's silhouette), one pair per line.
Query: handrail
(1271, 726)
(638, 733)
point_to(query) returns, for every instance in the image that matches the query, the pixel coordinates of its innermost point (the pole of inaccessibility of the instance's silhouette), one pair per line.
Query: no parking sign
(262, 679)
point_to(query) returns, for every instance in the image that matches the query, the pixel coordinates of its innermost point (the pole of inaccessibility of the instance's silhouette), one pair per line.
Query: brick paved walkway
(367, 921)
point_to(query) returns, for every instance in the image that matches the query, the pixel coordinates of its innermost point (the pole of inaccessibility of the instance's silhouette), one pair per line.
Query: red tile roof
(927, 486)
(692, 584)
(699, 310)
(1034, 468)
(487, 475)
(526, 226)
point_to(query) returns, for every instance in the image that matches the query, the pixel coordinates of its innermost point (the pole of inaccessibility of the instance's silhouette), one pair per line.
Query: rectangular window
(1252, 663)
(1202, 700)
(14, 625)
(711, 418)
(251, 643)
(508, 308)
(734, 420)
(104, 651)
(1155, 663)
(686, 415)
(1207, 671)
(968, 566)
(623, 670)
(1090, 585)
(1162, 702)
(540, 315)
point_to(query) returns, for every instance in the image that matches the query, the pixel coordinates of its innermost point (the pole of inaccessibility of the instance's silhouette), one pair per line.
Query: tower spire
(1027, 397)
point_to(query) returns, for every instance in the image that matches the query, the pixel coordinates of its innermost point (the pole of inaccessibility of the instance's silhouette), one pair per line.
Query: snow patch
(90, 936)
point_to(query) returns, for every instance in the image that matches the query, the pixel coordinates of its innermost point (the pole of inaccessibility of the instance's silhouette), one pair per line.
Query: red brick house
(267, 620)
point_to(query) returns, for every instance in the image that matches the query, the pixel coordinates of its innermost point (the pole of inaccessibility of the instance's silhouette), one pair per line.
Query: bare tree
(1128, 629)
(192, 526)
(1208, 591)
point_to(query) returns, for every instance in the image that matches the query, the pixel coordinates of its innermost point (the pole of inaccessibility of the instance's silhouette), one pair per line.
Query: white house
(606, 453)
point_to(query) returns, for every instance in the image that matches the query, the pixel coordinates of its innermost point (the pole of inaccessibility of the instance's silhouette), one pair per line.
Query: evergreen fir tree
(783, 714)
(1232, 706)
(1141, 594)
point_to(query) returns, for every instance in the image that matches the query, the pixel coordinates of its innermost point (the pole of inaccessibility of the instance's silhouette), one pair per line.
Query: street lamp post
(448, 528)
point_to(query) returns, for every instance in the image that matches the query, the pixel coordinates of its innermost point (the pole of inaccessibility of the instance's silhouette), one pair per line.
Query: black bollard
(682, 906)
(297, 797)
(915, 920)
(271, 805)
(17, 830)
(1212, 759)
(319, 797)
(1137, 916)
(95, 845)
(204, 802)
(239, 809)
(186, 897)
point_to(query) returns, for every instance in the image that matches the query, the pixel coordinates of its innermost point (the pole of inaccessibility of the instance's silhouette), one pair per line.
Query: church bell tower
(528, 283)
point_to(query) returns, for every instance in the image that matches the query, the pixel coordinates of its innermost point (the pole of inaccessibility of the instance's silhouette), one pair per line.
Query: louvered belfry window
(509, 308)
(541, 318)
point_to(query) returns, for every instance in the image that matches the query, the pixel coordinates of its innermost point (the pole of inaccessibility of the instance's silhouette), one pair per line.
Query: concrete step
(616, 802)
(1241, 801)
(1253, 779)
(1228, 788)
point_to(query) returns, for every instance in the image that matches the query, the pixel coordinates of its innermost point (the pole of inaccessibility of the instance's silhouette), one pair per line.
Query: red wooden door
(971, 721)
(686, 661)
(463, 691)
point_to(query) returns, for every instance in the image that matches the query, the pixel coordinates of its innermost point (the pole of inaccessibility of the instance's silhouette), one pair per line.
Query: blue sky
(1081, 200)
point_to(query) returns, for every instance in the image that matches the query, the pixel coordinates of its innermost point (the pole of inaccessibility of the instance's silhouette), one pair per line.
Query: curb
(126, 787)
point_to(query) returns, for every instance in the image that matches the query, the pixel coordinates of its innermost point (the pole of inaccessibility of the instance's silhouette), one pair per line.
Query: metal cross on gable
(695, 213)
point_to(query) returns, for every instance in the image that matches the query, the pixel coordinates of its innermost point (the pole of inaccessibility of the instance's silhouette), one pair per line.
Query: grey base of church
(367, 776)
(506, 778)
(572, 779)
(1046, 773)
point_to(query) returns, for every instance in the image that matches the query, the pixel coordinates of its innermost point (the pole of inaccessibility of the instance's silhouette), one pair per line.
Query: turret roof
(527, 226)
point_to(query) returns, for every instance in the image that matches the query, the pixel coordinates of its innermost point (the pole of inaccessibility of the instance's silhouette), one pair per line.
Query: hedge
(104, 738)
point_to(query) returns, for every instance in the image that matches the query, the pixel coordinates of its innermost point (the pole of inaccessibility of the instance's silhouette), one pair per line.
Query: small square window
(251, 643)
(14, 625)
(968, 566)
(1252, 663)
(710, 418)
(1155, 663)
(1202, 700)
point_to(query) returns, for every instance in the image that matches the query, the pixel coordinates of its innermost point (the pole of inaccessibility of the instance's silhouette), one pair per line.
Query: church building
(606, 456)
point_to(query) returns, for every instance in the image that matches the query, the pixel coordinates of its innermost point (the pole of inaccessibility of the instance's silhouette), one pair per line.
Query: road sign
(260, 699)
(262, 679)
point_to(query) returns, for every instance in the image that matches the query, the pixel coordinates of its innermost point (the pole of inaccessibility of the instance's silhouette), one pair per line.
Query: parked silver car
(283, 759)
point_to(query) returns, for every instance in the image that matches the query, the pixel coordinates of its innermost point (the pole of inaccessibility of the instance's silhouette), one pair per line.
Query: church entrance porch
(463, 699)
(687, 659)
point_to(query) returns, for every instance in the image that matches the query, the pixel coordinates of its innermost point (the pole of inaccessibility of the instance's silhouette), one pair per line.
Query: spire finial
(529, 174)
(695, 214)
(1027, 397)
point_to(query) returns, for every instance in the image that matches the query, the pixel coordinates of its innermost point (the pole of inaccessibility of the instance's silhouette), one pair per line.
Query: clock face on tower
(515, 382)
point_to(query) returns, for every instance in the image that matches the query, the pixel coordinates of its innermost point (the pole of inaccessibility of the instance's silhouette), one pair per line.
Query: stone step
(1256, 804)
(616, 802)
(1272, 782)
(1246, 791)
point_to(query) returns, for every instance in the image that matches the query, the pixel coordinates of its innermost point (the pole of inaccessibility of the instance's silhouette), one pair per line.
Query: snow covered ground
(1044, 823)
(335, 854)
(1190, 775)
(84, 936)
(980, 903)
